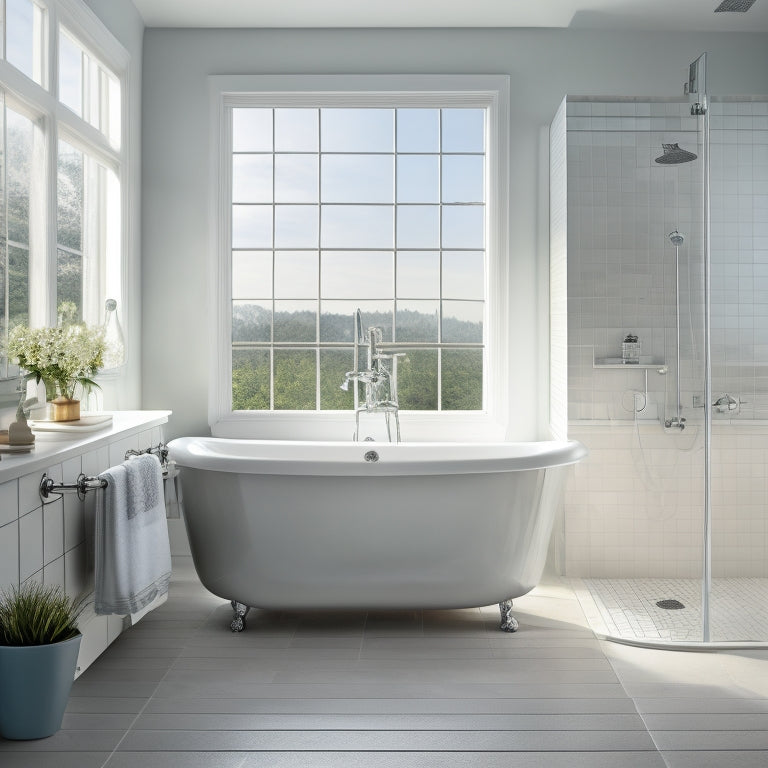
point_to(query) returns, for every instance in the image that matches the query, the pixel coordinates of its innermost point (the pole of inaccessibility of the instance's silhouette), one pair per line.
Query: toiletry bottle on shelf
(630, 350)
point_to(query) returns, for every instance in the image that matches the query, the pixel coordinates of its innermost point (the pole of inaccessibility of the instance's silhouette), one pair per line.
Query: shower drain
(670, 605)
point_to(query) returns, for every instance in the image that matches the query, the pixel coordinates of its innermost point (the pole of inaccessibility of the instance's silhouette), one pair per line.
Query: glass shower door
(739, 364)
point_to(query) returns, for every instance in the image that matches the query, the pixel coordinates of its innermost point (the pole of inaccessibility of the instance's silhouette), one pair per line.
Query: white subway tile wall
(634, 508)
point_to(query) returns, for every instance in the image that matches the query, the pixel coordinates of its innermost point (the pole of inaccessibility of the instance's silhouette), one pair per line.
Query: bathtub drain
(670, 605)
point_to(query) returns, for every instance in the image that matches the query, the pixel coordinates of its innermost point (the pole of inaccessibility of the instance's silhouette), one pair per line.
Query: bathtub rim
(337, 458)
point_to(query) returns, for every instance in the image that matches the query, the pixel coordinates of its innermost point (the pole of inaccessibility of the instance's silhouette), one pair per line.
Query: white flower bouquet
(62, 357)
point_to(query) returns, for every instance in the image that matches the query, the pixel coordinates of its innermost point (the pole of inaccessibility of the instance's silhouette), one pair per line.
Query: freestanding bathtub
(300, 525)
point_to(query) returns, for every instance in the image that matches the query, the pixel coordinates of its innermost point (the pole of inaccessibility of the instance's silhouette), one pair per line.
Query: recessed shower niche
(660, 231)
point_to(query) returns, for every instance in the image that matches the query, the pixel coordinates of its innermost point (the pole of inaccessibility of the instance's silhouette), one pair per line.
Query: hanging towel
(132, 552)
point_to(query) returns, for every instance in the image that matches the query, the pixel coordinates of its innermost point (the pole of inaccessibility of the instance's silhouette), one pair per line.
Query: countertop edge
(51, 451)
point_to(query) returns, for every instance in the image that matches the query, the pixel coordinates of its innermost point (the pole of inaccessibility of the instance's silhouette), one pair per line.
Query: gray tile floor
(400, 688)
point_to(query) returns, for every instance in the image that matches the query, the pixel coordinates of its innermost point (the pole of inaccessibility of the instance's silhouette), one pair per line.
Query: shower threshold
(646, 612)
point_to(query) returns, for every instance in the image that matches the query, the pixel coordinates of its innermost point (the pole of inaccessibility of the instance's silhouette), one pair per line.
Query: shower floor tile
(628, 609)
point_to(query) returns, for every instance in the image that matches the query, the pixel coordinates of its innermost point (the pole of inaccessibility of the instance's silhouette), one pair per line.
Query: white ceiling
(678, 15)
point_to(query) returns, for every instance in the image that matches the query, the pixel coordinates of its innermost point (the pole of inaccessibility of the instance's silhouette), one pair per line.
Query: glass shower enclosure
(663, 234)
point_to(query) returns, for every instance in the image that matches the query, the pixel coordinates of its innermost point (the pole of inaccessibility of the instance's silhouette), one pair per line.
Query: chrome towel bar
(83, 484)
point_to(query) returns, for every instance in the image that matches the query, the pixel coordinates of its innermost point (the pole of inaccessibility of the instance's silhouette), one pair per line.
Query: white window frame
(59, 122)
(486, 91)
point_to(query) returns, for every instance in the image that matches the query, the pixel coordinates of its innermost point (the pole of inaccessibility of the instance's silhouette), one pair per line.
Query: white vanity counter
(56, 447)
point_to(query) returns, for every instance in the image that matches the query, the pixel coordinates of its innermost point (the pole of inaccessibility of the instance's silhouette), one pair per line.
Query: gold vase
(64, 409)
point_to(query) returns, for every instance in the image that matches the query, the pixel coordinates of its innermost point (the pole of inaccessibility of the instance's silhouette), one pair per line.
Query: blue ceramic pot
(35, 681)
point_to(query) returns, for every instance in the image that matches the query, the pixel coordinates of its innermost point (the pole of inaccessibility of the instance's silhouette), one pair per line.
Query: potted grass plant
(39, 643)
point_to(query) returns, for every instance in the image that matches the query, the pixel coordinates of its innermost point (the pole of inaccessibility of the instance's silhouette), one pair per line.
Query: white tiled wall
(635, 506)
(52, 541)
(739, 322)
(622, 205)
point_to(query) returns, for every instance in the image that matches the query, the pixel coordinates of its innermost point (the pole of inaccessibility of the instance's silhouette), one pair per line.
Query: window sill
(461, 426)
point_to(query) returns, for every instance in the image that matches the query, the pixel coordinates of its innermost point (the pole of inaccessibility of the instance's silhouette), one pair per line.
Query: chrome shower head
(673, 155)
(676, 238)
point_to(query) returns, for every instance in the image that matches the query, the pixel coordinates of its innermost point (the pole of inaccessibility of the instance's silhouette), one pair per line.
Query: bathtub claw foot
(241, 611)
(508, 621)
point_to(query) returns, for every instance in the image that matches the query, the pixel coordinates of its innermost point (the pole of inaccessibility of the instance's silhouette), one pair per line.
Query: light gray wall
(122, 19)
(544, 65)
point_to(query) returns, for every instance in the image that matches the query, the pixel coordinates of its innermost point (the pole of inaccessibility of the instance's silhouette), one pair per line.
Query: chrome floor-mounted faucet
(380, 382)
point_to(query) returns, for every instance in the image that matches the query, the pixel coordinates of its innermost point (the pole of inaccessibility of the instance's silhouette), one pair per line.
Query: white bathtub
(279, 524)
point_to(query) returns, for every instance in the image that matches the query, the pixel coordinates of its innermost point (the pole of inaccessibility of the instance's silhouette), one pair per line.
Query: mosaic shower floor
(627, 609)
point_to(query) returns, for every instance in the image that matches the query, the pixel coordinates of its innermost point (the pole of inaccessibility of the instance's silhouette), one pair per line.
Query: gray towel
(132, 551)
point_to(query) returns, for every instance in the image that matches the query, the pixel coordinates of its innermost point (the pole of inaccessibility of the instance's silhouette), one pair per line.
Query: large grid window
(61, 237)
(338, 208)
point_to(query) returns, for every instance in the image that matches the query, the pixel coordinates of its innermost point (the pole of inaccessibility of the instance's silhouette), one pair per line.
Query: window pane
(251, 130)
(337, 323)
(70, 197)
(462, 179)
(357, 130)
(418, 179)
(462, 321)
(366, 275)
(251, 274)
(463, 130)
(463, 226)
(69, 287)
(296, 226)
(251, 226)
(295, 377)
(463, 276)
(251, 320)
(114, 111)
(250, 379)
(462, 380)
(418, 226)
(343, 200)
(417, 380)
(418, 274)
(296, 178)
(20, 132)
(296, 130)
(357, 226)
(296, 321)
(88, 87)
(358, 179)
(69, 257)
(252, 178)
(70, 74)
(334, 363)
(24, 37)
(417, 320)
(18, 286)
(296, 274)
(418, 130)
